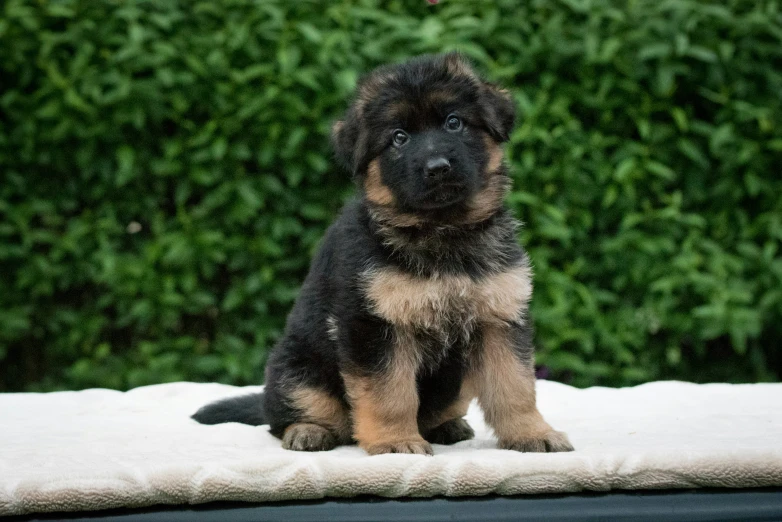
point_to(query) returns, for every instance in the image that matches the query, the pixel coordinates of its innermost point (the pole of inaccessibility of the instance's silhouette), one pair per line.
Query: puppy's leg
(450, 427)
(385, 404)
(505, 379)
(322, 421)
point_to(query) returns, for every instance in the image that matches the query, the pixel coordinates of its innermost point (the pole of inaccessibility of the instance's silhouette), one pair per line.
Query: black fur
(450, 432)
(247, 409)
(332, 327)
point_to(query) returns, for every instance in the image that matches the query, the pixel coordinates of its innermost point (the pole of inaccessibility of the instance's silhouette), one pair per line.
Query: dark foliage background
(165, 177)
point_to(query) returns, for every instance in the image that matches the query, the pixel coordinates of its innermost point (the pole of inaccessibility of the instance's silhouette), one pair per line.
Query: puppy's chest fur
(447, 307)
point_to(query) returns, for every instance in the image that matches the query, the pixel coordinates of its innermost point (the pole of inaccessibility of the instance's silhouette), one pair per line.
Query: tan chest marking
(435, 302)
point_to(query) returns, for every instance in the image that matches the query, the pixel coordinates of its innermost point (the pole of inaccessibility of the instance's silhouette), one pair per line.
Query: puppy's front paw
(551, 442)
(415, 446)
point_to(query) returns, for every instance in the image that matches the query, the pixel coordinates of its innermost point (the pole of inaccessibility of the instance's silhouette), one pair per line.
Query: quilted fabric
(100, 449)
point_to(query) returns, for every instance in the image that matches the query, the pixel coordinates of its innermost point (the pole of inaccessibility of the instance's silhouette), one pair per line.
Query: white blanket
(100, 449)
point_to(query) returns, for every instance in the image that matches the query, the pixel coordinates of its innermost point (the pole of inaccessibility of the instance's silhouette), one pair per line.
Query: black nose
(437, 168)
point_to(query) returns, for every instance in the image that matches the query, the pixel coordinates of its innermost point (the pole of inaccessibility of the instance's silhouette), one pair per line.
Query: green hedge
(165, 177)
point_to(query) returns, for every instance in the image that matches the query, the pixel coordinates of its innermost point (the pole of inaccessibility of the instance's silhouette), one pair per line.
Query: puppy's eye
(453, 123)
(400, 137)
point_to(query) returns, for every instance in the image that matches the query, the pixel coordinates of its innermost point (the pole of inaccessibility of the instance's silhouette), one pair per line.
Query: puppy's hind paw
(308, 437)
(451, 432)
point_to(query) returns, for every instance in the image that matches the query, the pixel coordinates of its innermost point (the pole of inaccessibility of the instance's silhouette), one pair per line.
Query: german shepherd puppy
(417, 301)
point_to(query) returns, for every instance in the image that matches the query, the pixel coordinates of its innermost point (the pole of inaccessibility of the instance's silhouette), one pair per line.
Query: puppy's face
(422, 139)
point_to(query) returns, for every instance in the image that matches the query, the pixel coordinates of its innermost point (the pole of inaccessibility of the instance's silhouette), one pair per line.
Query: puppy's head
(422, 140)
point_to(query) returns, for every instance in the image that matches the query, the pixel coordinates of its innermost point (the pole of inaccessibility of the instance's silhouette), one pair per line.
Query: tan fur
(390, 216)
(318, 407)
(404, 299)
(382, 200)
(377, 192)
(488, 201)
(495, 155)
(398, 110)
(490, 198)
(441, 98)
(385, 407)
(506, 390)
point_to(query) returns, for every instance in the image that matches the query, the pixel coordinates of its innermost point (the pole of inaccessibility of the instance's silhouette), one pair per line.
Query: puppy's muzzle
(437, 169)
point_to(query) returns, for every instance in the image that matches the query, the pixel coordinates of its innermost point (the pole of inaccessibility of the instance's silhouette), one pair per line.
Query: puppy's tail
(246, 409)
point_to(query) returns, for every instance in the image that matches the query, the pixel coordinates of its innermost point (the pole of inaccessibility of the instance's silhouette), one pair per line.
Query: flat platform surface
(103, 449)
(749, 505)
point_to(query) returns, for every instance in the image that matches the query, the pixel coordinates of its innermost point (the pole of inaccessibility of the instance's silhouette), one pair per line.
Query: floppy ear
(499, 111)
(347, 145)
(341, 144)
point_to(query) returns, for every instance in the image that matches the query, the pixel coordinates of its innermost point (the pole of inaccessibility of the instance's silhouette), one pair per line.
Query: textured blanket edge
(473, 468)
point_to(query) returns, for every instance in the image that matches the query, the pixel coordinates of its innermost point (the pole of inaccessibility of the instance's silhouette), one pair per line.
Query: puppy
(417, 301)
